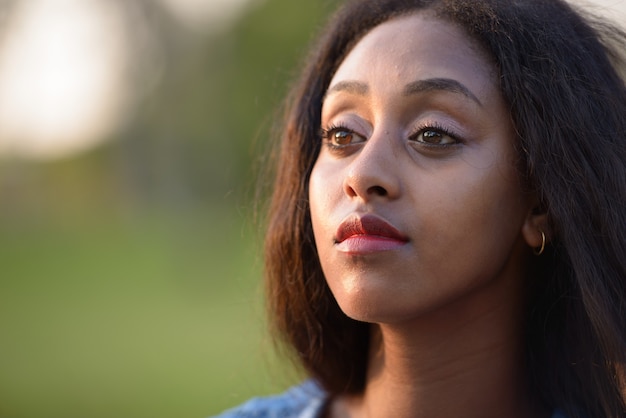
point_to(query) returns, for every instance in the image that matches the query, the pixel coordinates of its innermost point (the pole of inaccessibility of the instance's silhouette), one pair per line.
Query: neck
(461, 361)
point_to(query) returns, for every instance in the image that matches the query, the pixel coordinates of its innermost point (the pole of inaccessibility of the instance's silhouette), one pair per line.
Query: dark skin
(419, 139)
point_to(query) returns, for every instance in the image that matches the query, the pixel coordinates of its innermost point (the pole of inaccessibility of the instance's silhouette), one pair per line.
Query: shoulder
(303, 401)
(306, 400)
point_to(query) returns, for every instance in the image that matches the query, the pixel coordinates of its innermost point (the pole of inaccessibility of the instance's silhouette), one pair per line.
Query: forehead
(418, 46)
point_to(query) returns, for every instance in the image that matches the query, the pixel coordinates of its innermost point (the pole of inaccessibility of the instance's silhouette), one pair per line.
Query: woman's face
(415, 198)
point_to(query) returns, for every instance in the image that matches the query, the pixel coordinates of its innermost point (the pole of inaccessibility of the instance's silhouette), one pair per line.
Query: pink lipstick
(367, 234)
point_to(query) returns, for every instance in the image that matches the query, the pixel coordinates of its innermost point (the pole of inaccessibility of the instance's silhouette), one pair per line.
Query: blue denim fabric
(558, 414)
(304, 401)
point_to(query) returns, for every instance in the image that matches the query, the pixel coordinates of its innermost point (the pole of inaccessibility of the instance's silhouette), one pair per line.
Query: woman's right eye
(337, 137)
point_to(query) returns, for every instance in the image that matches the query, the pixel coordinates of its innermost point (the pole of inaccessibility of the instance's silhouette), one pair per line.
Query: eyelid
(349, 121)
(327, 133)
(438, 128)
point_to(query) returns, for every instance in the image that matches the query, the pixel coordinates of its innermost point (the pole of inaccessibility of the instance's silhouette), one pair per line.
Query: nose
(374, 171)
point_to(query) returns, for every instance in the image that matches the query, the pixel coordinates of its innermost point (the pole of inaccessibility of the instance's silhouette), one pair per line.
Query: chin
(373, 306)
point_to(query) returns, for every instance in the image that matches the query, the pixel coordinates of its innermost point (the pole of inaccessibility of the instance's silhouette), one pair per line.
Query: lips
(368, 234)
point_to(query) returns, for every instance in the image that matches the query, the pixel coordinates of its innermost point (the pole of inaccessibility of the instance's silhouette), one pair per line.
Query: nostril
(351, 192)
(377, 190)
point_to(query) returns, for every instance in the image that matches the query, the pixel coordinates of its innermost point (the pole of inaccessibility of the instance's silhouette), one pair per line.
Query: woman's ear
(535, 230)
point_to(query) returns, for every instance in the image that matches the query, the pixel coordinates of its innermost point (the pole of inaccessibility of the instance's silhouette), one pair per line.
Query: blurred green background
(131, 273)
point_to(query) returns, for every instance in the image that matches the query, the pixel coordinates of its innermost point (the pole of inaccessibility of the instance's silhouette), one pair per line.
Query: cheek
(475, 221)
(326, 200)
(324, 193)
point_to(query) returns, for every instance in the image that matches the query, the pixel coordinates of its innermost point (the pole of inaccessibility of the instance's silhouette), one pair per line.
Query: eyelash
(438, 128)
(326, 136)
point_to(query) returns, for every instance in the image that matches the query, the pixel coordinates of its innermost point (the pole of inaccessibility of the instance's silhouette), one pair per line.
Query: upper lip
(367, 225)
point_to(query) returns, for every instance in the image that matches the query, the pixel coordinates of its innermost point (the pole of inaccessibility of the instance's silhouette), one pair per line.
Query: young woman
(447, 236)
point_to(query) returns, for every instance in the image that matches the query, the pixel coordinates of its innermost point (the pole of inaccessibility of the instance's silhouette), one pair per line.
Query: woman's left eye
(434, 137)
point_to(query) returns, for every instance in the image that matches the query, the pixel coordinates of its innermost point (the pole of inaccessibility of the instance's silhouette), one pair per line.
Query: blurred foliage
(201, 133)
(131, 281)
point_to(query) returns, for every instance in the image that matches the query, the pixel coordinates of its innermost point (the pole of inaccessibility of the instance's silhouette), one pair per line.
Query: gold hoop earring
(539, 251)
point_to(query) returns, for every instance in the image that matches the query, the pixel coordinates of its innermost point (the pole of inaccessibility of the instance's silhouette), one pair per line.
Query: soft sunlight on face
(416, 202)
(60, 77)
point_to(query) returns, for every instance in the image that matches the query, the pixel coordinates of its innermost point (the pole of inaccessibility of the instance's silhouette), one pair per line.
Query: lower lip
(368, 244)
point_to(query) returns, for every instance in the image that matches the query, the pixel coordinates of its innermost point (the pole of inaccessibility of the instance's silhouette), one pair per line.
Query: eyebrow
(439, 84)
(357, 88)
(360, 88)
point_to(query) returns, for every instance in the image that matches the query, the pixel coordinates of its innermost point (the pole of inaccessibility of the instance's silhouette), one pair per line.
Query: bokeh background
(132, 133)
